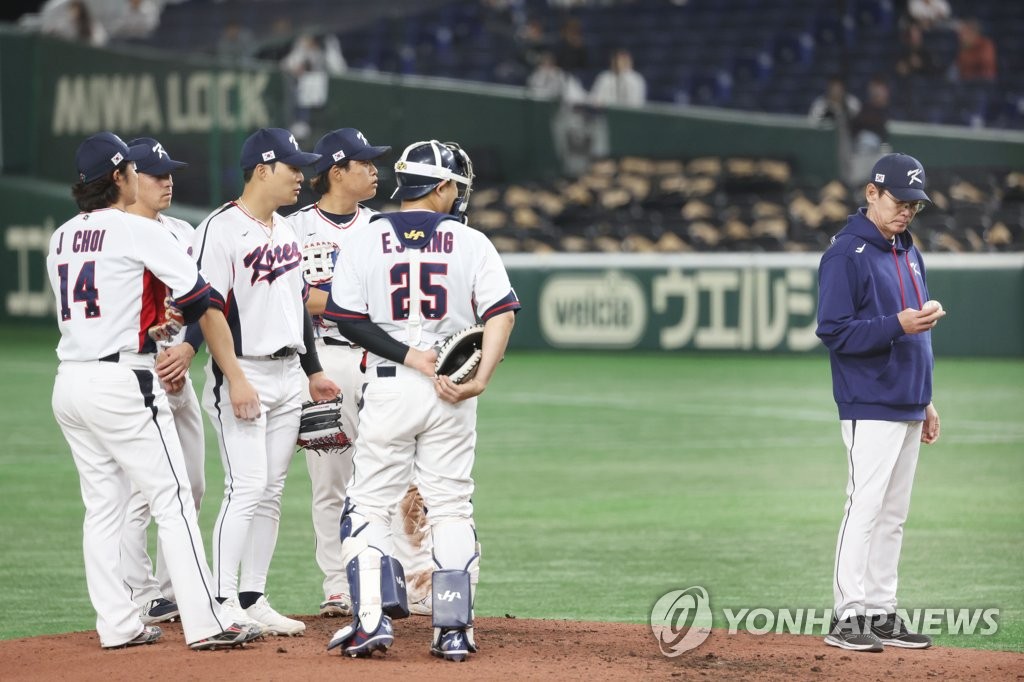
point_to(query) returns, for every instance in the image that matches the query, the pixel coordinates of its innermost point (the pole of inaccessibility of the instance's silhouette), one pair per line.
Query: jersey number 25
(434, 300)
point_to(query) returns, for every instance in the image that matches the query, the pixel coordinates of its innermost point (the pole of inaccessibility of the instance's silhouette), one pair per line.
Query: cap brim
(908, 194)
(161, 167)
(299, 159)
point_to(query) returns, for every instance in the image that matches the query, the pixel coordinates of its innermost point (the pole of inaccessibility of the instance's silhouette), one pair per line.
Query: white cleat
(232, 612)
(273, 622)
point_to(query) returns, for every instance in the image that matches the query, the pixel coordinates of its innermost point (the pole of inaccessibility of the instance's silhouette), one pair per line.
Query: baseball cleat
(336, 605)
(232, 612)
(273, 622)
(159, 611)
(359, 643)
(891, 630)
(853, 634)
(149, 634)
(421, 607)
(452, 645)
(234, 636)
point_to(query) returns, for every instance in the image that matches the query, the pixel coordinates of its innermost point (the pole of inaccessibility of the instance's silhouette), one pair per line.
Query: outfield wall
(683, 302)
(742, 302)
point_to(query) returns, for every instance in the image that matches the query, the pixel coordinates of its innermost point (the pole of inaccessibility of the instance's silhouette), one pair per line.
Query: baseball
(931, 305)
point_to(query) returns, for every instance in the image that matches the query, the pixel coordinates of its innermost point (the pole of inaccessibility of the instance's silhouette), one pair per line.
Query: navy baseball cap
(102, 153)
(268, 145)
(344, 144)
(157, 161)
(902, 175)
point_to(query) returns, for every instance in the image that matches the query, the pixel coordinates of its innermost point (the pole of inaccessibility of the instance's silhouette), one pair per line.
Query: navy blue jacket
(864, 282)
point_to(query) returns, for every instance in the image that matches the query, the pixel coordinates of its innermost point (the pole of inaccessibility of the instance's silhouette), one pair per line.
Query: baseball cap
(902, 175)
(102, 153)
(268, 145)
(157, 161)
(343, 144)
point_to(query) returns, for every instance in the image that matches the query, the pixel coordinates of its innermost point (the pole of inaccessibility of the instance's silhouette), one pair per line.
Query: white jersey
(110, 272)
(318, 232)
(256, 277)
(182, 233)
(461, 279)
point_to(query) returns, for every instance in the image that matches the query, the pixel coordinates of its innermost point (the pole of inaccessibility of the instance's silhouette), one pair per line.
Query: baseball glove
(318, 262)
(459, 356)
(174, 320)
(320, 426)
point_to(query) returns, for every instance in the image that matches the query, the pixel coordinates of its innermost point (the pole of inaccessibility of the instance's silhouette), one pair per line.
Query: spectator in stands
(550, 81)
(870, 127)
(976, 60)
(869, 132)
(236, 42)
(915, 59)
(137, 19)
(571, 126)
(835, 105)
(619, 85)
(929, 14)
(310, 64)
(72, 20)
(571, 53)
(532, 42)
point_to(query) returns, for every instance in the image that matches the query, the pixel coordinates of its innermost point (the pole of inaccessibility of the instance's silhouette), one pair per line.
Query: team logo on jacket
(270, 262)
(915, 267)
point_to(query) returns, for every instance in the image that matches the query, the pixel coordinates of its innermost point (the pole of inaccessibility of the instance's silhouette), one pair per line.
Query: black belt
(113, 357)
(334, 341)
(386, 371)
(285, 352)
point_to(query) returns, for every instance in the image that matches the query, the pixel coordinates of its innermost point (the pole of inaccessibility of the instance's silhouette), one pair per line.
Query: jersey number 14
(84, 291)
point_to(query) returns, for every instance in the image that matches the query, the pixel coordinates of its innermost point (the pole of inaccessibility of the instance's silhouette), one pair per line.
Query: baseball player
(120, 283)
(876, 320)
(253, 260)
(345, 175)
(155, 594)
(402, 285)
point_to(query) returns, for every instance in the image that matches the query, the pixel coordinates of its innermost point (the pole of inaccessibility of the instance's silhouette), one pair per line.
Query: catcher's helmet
(425, 165)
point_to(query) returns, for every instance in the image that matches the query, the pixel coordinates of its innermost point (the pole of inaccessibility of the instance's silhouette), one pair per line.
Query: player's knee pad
(376, 580)
(452, 599)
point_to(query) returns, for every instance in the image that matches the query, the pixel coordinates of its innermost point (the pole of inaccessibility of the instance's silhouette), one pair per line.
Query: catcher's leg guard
(370, 629)
(394, 601)
(452, 613)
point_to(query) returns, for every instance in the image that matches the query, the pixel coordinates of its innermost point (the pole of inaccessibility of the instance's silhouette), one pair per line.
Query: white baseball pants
(117, 421)
(138, 571)
(256, 455)
(882, 458)
(409, 434)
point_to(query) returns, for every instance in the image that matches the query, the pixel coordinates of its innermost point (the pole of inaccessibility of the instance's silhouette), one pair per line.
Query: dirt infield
(511, 649)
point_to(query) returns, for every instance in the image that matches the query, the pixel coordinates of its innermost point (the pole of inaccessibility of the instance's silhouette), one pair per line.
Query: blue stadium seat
(793, 48)
(874, 15)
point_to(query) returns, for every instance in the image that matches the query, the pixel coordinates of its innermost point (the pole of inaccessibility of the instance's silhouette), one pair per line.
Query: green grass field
(603, 482)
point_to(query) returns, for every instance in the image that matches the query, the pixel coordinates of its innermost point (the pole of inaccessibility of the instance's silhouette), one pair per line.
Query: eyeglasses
(913, 206)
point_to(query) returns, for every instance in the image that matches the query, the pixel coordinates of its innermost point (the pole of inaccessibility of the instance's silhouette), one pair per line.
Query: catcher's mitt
(318, 260)
(320, 426)
(459, 356)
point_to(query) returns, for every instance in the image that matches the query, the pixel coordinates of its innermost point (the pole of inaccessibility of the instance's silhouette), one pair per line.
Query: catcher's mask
(425, 165)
